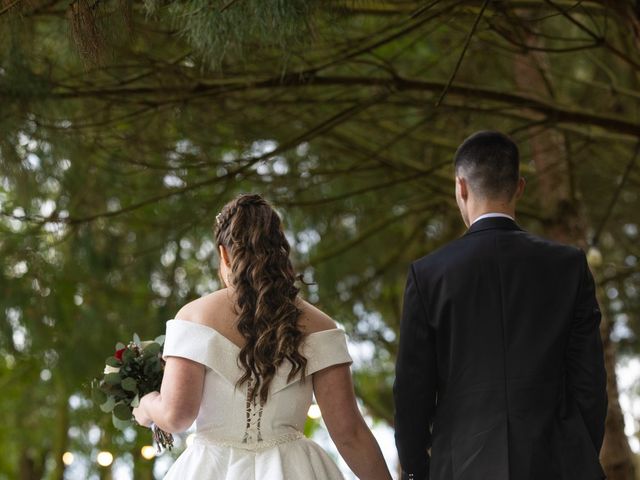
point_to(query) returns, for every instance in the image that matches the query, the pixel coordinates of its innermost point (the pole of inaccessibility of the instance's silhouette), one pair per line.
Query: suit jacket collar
(493, 223)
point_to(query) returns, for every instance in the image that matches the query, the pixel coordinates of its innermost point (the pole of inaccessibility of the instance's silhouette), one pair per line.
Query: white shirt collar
(493, 214)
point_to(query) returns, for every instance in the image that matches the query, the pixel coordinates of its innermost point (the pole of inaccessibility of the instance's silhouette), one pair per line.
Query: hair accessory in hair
(218, 218)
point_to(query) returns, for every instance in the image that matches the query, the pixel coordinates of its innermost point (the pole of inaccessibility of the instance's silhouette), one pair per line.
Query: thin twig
(620, 54)
(9, 7)
(464, 51)
(424, 8)
(313, 132)
(227, 5)
(616, 195)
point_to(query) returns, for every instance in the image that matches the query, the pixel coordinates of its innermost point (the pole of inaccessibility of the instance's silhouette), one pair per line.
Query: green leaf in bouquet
(99, 397)
(160, 340)
(152, 367)
(152, 349)
(107, 406)
(136, 339)
(129, 384)
(127, 356)
(120, 424)
(136, 401)
(118, 393)
(120, 346)
(113, 362)
(112, 378)
(122, 412)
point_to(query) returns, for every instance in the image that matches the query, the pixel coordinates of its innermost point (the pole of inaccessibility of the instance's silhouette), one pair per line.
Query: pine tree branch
(616, 195)
(371, 230)
(462, 54)
(183, 93)
(600, 39)
(242, 168)
(386, 8)
(9, 6)
(227, 5)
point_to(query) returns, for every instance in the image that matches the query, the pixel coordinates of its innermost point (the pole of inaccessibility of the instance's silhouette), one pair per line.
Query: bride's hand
(141, 413)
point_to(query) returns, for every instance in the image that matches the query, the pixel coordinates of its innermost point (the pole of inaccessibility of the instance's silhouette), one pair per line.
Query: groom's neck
(479, 208)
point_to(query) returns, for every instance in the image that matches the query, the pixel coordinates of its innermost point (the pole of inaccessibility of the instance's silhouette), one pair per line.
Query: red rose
(119, 353)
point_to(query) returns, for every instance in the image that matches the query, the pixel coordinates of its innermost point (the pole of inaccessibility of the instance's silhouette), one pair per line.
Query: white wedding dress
(240, 440)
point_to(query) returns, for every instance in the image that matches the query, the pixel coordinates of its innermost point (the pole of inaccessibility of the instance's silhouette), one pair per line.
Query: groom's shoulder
(441, 256)
(550, 246)
(461, 249)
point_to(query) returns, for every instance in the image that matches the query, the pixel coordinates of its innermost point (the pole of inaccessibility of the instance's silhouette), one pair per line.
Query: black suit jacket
(500, 369)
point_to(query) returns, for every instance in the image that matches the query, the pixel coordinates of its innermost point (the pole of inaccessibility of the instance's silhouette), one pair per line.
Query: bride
(245, 361)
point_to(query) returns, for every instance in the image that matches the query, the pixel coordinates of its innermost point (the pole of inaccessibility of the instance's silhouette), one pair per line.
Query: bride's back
(265, 353)
(258, 339)
(217, 310)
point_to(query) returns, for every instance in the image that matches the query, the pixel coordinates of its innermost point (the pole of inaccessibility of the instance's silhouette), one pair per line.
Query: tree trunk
(567, 224)
(60, 440)
(106, 444)
(142, 468)
(31, 464)
(106, 473)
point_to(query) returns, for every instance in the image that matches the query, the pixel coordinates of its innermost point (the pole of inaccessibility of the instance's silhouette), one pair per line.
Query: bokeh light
(104, 459)
(148, 452)
(314, 412)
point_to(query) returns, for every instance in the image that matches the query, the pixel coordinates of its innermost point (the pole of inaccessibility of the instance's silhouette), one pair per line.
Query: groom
(500, 372)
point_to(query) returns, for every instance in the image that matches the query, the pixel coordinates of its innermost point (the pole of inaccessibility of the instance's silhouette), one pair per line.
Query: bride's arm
(176, 406)
(334, 393)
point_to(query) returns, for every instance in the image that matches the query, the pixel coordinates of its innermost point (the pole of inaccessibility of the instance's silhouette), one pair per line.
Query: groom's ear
(521, 185)
(462, 187)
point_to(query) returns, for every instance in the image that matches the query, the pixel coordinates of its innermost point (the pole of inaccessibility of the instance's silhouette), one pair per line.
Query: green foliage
(223, 29)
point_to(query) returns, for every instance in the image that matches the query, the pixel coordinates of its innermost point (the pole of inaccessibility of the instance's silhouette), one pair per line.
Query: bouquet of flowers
(133, 371)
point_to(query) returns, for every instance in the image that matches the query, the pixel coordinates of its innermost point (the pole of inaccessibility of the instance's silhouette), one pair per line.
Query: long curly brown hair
(264, 282)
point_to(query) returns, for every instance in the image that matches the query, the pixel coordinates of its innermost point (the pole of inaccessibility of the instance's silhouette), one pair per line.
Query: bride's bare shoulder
(207, 309)
(313, 319)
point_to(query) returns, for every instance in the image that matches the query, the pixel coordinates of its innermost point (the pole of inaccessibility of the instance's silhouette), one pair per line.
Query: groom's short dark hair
(490, 162)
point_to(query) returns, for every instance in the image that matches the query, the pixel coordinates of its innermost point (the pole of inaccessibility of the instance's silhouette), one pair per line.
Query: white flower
(110, 369)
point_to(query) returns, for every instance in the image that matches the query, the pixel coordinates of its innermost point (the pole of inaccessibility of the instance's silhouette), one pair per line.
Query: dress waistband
(211, 438)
